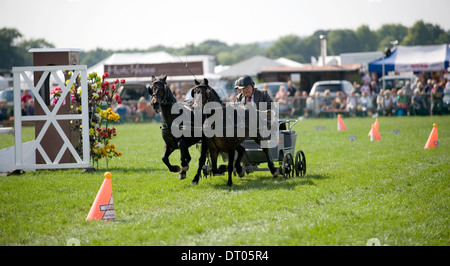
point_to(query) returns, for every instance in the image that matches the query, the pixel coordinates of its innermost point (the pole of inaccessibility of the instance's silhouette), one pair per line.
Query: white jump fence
(23, 157)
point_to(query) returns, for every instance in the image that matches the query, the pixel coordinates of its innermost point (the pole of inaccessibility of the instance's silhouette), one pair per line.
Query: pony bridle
(154, 96)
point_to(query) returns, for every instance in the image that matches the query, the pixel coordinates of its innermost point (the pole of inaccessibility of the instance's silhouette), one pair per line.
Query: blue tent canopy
(414, 58)
(389, 64)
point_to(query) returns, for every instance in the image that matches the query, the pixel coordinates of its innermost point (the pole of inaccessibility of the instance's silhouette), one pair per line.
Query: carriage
(283, 153)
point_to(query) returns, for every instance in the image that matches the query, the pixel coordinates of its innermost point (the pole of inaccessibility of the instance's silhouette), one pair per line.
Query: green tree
(422, 33)
(343, 41)
(287, 46)
(92, 57)
(26, 45)
(10, 52)
(367, 38)
(388, 33)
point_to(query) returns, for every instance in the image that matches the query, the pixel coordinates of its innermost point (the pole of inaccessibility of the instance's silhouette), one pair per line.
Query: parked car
(396, 81)
(446, 99)
(273, 87)
(333, 85)
(132, 91)
(7, 102)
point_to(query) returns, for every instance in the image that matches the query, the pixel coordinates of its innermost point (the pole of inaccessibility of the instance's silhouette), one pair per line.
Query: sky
(141, 24)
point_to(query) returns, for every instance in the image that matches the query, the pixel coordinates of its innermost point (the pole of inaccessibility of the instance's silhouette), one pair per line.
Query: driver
(248, 94)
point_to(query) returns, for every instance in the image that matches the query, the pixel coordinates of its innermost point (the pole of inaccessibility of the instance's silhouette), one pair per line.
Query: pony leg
(214, 154)
(183, 145)
(237, 164)
(230, 168)
(167, 152)
(201, 161)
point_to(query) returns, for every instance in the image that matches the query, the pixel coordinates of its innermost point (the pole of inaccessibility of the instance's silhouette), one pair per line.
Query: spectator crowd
(416, 99)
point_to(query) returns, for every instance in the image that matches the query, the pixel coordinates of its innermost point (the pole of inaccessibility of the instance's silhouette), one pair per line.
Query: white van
(396, 81)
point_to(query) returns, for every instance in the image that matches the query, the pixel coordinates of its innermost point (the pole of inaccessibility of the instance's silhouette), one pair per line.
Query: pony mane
(212, 94)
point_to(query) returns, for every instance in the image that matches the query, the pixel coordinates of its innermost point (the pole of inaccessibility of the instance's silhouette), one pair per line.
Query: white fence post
(23, 161)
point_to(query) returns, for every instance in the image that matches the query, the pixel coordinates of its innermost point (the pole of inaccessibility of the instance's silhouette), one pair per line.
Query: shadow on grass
(270, 183)
(131, 170)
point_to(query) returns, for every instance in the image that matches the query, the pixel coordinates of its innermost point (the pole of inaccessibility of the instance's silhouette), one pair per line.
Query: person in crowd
(425, 97)
(339, 101)
(179, 95)
(313, 105)
(327, 101)
(417, 103)
(407, 88)
(123, 110)
(144, 110)
(24, 100)
(291, 88)
(366, 104)
(30, 106)
(429, 86)
(387, 103)
(357, 87)
(374, 88)
(394, 100)
(379, 102)
(299, 102)
(282, 98)
(365, 87)
(436, 100)
(402, 106)
(415, 83)
(352, 102)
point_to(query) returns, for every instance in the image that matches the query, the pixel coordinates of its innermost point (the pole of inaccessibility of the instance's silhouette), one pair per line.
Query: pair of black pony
(162, 100)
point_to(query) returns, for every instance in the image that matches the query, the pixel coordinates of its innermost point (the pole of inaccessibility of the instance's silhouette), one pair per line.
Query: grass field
(393, 190)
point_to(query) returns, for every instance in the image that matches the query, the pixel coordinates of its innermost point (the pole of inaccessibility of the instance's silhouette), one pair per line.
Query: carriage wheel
(288, 165)
(300, 164)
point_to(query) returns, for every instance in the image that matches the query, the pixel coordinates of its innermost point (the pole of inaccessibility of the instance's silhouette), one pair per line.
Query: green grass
(393, 190)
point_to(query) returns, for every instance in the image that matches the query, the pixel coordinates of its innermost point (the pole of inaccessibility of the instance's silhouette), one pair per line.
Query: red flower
(113, 86)
(117, 81)
(123, 81)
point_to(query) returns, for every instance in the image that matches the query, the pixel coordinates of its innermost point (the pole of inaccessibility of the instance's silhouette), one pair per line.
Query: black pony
(228, 144)
(163, 100)
(215, 144)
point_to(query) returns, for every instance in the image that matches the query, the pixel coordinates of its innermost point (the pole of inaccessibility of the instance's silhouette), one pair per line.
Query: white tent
(415, 59)
(135, 58)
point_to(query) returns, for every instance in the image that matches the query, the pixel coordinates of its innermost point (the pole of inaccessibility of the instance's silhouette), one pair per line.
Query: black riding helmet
(243, 82)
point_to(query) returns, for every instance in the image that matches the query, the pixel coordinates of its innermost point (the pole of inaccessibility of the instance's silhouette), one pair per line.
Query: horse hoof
(242, 173)
(182, 176)
(194, 182)
(276, 173)
(185, 168)
(175, 168)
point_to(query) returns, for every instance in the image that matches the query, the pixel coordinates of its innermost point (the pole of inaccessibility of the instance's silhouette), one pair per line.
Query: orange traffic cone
(433, 138)
(376, 125)
(103, 206)
(340, 123)
(374, 134)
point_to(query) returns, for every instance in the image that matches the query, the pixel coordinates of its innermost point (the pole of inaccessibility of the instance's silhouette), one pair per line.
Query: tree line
(14, 49)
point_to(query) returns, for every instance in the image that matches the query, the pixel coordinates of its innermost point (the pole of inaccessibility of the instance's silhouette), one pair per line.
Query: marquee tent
(414, 58)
